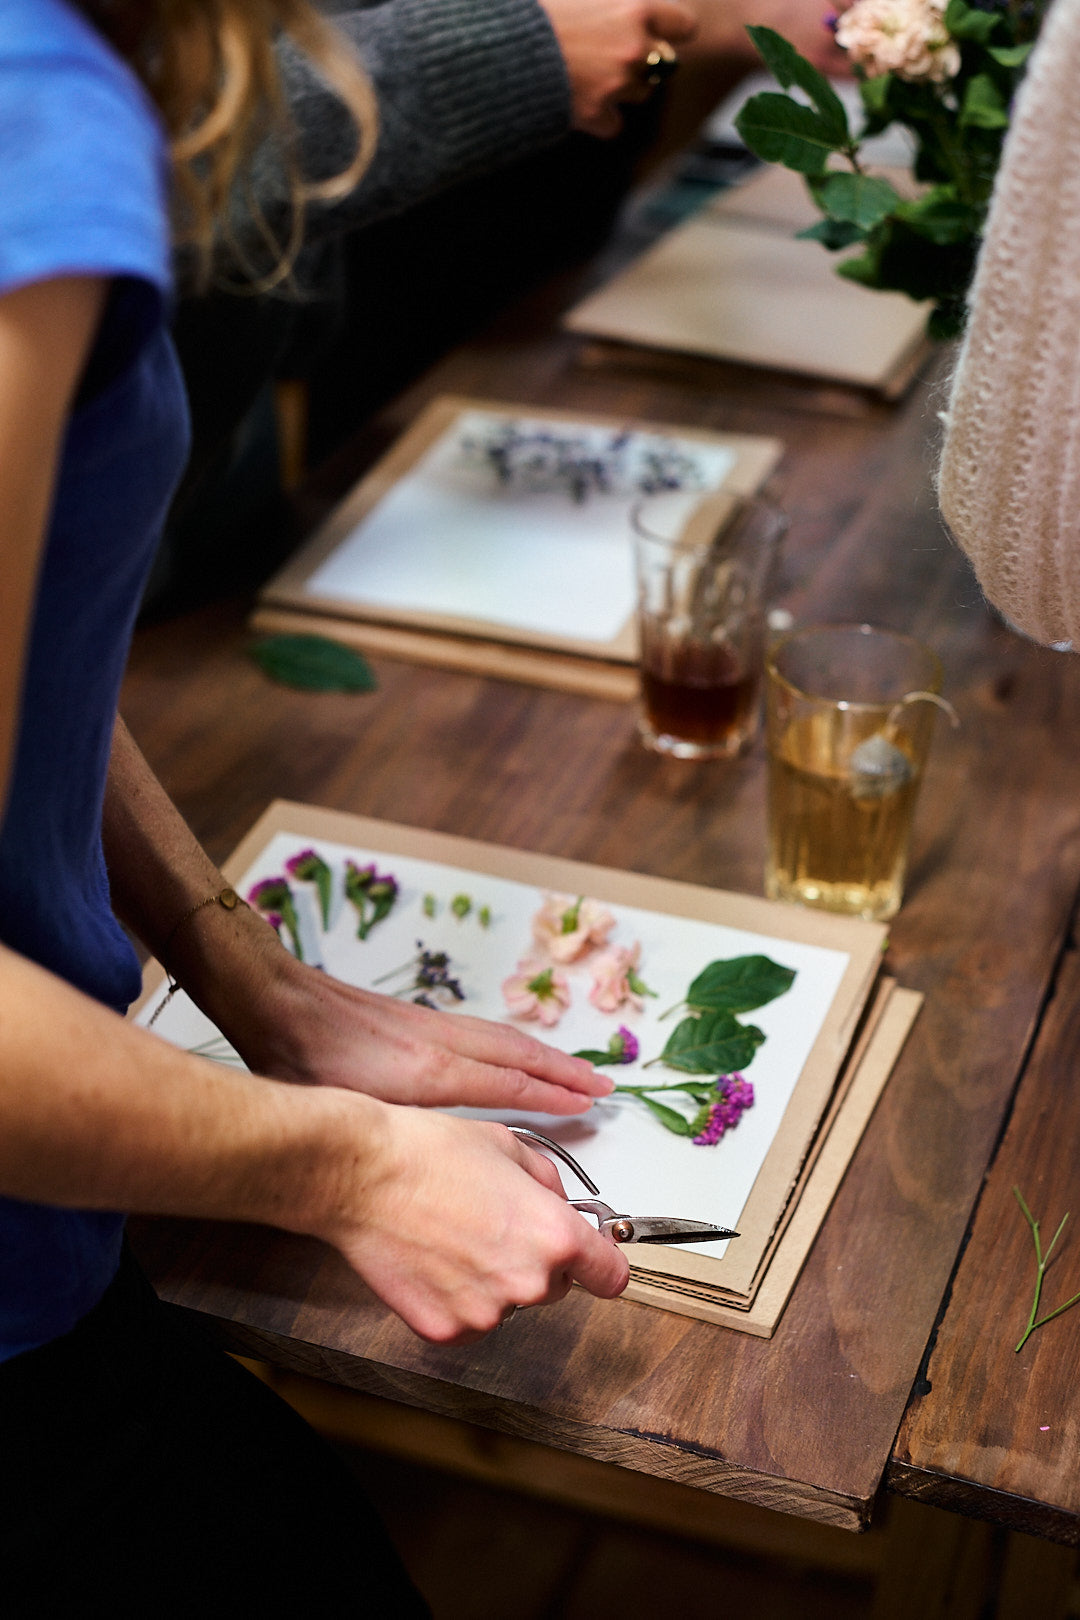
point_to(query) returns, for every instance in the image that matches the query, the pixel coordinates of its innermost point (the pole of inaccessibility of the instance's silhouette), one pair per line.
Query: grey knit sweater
(463, 86)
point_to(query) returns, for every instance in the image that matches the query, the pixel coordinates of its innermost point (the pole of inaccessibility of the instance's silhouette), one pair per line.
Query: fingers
(671, 21)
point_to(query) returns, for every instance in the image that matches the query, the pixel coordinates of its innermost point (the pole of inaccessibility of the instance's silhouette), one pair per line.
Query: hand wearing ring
(660, 64)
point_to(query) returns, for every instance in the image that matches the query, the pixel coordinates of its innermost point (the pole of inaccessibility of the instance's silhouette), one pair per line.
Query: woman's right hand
(453, 1222)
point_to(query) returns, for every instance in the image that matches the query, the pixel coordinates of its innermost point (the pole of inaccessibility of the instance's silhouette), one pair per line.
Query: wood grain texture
(803, 1422)
(998, 1433)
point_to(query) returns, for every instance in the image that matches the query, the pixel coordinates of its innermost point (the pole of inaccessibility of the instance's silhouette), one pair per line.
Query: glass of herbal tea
(850, 710)
(703, 565)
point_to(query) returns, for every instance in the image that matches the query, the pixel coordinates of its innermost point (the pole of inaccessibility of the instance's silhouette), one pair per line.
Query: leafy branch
(1042, 1261)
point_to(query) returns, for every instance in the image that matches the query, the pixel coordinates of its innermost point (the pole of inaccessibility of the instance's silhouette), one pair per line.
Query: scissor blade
(671, 1229)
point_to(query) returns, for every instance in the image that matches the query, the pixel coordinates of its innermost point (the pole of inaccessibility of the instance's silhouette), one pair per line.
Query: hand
(604, 44)
(458, 1221)
(298, 1024)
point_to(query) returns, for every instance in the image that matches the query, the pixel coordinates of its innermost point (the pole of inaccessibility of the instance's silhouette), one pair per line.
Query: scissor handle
(619, 1228)
(560, 1153)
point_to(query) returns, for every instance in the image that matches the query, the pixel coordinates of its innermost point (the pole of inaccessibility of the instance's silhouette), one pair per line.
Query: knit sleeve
(462, 87)
(1009, 479)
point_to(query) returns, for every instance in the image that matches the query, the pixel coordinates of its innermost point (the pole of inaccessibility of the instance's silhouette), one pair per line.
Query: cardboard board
(432, 542)
(733, 283)
(759, 1175)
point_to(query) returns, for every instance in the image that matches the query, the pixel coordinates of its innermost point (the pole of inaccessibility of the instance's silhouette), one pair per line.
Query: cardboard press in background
(733, 283)
(297, 599)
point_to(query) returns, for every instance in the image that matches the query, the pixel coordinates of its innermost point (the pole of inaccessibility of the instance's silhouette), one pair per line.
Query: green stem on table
(1041, 1262)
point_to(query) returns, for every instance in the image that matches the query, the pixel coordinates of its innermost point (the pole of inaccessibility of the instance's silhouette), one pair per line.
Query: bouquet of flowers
(947, 72)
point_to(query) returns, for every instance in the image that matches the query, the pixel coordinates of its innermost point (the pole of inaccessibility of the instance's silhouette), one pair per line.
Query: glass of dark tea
(703, 567)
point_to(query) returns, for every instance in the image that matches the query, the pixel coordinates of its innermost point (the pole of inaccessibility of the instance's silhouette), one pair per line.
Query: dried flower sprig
(541, 460)
(616, 982)
(430, 978)
(721, 1103)
(565, 927)
(372, 893)
(622, 1047)
(309, 867)
(1041, 1262)
(274, 899)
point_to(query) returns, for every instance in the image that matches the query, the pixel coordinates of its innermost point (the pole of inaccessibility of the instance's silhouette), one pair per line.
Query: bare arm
(448, 1220)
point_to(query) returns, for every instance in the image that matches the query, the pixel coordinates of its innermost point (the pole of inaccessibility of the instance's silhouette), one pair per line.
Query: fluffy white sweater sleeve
(1009, 480)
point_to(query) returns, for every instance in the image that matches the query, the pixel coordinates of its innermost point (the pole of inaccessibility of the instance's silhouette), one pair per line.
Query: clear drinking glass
(703, 565)
(850, 712)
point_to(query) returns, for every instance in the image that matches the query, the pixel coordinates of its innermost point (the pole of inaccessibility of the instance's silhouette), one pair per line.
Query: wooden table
(805, 1422)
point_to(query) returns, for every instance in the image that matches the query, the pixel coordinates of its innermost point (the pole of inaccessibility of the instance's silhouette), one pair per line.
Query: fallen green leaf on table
(313, 664)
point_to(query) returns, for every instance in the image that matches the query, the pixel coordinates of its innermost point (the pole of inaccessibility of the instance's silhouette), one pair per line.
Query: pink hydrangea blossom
(537, 991)
(905, 37)
(566, 927)
(615, 979)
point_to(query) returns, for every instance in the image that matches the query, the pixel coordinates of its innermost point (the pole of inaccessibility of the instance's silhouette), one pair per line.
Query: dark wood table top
(806, 1421)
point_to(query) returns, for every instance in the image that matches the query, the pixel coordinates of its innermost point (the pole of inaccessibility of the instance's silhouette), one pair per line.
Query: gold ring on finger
(660, 64)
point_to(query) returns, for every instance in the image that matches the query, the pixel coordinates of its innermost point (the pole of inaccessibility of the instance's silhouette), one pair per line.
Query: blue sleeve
(83, 189)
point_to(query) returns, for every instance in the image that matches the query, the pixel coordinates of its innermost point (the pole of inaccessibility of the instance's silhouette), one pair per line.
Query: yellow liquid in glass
(835, 841)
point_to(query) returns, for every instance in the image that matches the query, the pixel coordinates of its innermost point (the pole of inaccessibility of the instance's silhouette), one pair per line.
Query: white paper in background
(448, 538)
(640, 1167)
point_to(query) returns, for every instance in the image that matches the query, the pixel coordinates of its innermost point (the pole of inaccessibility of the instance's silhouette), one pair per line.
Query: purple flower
(734, 1095)
(307, 858)
(624, 1045)
(268, 894)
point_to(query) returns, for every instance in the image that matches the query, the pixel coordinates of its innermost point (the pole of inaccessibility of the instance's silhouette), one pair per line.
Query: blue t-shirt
(83, 190)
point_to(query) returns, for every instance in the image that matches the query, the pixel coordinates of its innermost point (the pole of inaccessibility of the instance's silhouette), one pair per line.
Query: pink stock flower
(566, 927)
(905, 37)
(615, 979)
(536, 991)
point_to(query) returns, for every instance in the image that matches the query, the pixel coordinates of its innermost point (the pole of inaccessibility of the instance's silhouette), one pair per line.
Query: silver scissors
(626, 1228)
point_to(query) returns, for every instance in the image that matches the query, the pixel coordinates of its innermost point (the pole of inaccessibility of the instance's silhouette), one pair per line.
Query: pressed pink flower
(536, 991)
(566, 927)
(905, 37)
(615, 979)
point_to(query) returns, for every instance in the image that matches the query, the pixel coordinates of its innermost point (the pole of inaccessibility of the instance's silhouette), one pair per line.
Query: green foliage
(739, 985)
(313, 664)
(712, 1043)
(923, 245)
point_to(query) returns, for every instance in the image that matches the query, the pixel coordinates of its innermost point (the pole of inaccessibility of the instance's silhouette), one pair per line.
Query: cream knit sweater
(1009, 481)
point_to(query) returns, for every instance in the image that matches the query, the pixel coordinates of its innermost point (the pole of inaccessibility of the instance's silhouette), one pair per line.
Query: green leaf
(832, 233)
(785, 63)
(940, 217)
(669, 1117)
(1011, 56)
(313, 664)
(781, 130)
(856, 199)
(964, 22)
(875, 97)
(715, 1043)
(983, 107)
(738, 985)
(865, 269)
(592, 1055)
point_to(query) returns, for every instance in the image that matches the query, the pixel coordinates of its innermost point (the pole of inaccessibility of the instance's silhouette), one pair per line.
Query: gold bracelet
(228, 900)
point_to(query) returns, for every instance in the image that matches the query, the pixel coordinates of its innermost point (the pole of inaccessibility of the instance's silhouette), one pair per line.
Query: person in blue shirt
(141, 1472)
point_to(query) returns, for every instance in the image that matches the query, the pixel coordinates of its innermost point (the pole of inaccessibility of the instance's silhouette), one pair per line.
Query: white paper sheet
(640, 1167)
(450, 539)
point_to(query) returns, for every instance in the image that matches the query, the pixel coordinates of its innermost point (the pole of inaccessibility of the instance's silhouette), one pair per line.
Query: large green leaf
(715, 1043)
(983, 106)
(313, 664)
(940, 217)
(781, 130)
(739, 984)
(857, 199)
(784, 61)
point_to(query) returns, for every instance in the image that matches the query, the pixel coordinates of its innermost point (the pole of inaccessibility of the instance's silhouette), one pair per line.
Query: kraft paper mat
(733, 283)
(829, 1055)
(430, 544)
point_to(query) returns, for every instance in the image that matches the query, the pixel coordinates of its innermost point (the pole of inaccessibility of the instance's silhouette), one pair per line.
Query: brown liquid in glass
(703, 695)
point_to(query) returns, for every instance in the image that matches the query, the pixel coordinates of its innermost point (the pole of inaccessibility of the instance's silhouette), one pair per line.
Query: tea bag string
(892, 720)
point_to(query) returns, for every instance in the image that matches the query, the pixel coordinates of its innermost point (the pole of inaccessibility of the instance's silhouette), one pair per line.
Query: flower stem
(1042, 1261)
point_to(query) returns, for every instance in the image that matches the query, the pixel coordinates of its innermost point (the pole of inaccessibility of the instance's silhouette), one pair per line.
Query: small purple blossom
(372, 893)
(734, 1095)
(270, 892)
(273, 898)
(625, 1045)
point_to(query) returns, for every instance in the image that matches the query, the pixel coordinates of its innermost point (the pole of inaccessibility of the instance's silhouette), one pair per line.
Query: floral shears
(625, 1228)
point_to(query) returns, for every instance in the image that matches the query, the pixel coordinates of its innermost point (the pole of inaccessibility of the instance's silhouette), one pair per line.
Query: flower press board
(733, 283)
(762, 1173)
(497, 538)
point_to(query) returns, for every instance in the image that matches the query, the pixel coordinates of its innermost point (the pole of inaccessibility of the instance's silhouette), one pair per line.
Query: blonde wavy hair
(211, 68)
